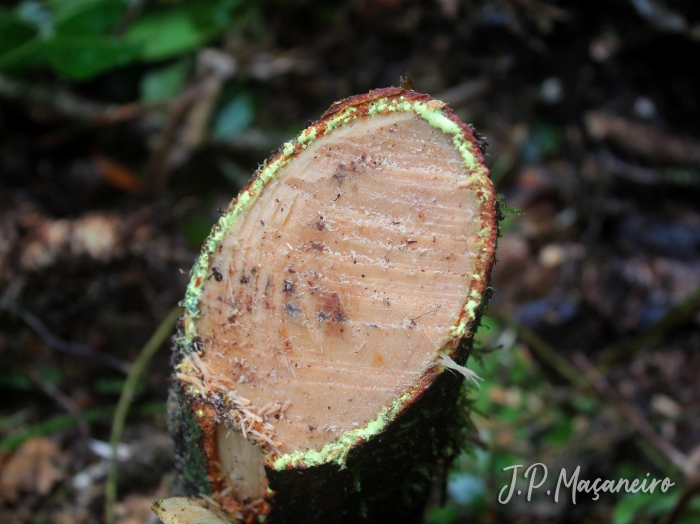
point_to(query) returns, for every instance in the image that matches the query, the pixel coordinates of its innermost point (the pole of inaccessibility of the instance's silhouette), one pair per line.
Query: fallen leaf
(117, 175)
(34, 468)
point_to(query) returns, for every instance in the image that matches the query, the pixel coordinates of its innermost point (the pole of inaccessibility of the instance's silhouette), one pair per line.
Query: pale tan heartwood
(335, 291)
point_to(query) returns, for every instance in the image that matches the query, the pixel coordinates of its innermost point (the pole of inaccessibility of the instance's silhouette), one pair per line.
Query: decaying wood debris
(320, 355)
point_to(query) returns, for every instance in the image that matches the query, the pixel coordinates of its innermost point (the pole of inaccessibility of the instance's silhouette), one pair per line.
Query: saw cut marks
(338, 288)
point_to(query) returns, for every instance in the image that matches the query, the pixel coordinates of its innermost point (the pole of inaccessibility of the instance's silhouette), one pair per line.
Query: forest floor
(590, 351)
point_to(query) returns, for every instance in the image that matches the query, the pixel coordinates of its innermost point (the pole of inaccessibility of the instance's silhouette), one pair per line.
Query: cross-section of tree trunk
(311, 370)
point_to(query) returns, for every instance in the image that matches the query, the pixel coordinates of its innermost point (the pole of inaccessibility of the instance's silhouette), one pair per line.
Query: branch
(543, 350)
(690, 491)
(63, 400)
(58, 344)
(674, 317)
(635, 417)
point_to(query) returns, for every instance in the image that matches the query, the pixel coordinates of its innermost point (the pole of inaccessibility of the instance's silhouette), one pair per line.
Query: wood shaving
(447, 362)
(253, 422)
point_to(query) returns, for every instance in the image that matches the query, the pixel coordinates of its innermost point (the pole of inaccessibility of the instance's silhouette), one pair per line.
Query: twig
(60, 102)
(137, 369)
(190, 113)
(592, 377)
(68, 105)
(465, 92)
(63, 400)
(638, 421)
(613, 354)
(157, 167)
(539, 346)
(690, 491)
(692, 468)
(71, 348)
(110, 115)
(84, 113)
(674, 317)
(546, 10)
(663, 18)
(642, 139)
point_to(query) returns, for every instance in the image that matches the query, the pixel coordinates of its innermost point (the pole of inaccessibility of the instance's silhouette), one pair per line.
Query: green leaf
(22, 56)
(13, 32)
(87, 17)
(234, 117)
(165, 82)
(62, 8)
(82, 57)
(585, 404)
(561, 433)
(442, 515)
(628, 507)
(177, 30)
(16, 380)
(165, 37)
(509, 414)
(504, 459)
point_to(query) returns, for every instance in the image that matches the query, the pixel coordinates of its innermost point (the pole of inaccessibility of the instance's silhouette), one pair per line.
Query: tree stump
(319, 358)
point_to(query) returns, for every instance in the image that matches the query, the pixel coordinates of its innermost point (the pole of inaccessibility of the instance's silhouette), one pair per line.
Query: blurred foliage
(196, 231)
(543, 142)
(524, 415)
(524, 418)
(79, 39)
(165, 82)
(63, 422)
(235, 116)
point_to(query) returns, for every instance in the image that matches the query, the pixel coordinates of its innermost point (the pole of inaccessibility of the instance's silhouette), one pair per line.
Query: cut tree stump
(319, 359)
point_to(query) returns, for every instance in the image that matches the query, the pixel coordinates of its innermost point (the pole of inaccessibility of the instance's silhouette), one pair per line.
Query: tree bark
(319, 359)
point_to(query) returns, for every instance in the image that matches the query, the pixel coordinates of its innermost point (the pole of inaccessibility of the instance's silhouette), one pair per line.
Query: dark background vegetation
(124, 125)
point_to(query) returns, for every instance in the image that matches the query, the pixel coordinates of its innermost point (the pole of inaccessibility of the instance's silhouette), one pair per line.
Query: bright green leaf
(95, 17)
(62, 8)
(177, 30)
(628, 507)
(504, 459)
(80, 58)
(442, 515)
(661, 503)
(561, 433)
(165, 36)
